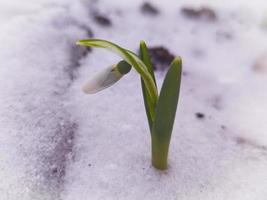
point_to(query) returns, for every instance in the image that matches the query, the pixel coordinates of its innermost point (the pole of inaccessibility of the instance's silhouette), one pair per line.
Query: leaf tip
(79, 42)
(177, 60)
(142, 42)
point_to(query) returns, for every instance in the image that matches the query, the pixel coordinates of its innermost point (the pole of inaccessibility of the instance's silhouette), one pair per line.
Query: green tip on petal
(123, 67)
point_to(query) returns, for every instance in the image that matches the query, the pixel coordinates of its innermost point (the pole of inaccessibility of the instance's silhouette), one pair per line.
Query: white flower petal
(102, 80)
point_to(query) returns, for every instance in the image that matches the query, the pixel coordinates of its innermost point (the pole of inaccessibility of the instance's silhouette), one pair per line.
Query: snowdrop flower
(106, 78)
(160, 109)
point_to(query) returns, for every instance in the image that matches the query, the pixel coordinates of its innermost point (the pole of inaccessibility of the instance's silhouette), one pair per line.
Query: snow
(35, 74)
(57, 143)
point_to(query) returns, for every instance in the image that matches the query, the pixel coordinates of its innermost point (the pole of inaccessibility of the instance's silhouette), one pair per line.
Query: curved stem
(132, 59)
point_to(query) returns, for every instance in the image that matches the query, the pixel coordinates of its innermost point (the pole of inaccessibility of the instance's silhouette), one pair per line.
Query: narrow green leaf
(150, 109)
(147, 107)
(165, 114)
(146, 59)
(131, 58)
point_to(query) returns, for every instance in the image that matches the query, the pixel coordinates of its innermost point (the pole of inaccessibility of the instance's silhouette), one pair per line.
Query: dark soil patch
(102, 20)
(161, 58)
(200, 115)
(203, 13)
(149, 9)
(63, 150)
(76, 54)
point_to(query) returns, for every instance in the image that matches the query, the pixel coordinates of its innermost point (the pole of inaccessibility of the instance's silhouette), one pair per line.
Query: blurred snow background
(57, 143)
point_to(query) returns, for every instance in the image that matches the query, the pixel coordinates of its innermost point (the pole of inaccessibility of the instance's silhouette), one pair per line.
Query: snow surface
(56, 143)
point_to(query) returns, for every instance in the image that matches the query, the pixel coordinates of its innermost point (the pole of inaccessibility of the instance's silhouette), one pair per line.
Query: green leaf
(150, 109)
(131, 58)
(165, 114)
(146, 59)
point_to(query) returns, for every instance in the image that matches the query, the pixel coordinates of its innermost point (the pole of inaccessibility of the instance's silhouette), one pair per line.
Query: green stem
(159, 154)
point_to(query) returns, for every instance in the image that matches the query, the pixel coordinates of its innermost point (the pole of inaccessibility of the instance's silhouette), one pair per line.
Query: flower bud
(106, 78)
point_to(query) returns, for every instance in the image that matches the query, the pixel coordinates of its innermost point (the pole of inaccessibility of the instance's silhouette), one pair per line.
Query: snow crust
(56, 143)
